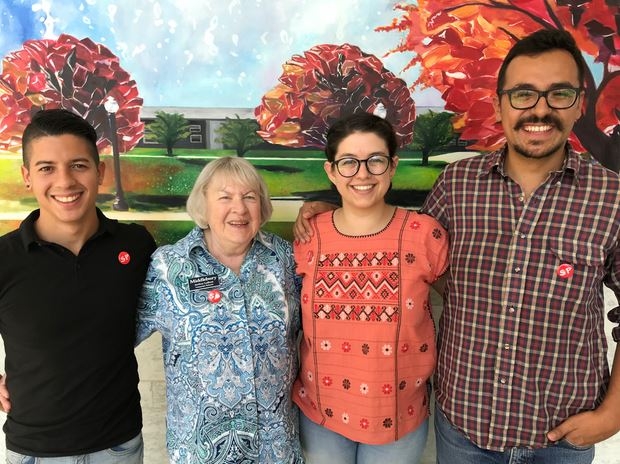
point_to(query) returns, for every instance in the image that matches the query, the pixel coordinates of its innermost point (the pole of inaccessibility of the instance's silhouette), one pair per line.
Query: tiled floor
(154, 409)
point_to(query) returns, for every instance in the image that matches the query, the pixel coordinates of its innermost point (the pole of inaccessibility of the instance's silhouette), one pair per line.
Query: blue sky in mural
(209, 53)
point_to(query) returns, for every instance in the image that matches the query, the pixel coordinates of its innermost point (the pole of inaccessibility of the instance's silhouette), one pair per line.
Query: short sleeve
(152, 300)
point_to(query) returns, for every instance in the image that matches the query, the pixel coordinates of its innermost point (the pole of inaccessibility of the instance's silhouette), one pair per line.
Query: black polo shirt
(68, 325)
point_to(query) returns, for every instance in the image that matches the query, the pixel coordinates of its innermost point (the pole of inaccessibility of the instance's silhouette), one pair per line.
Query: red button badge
(565, 271)
(124, 258)
(214, 296)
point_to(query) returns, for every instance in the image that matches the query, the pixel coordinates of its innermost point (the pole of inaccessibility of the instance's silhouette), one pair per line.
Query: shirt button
(502, 381)
(511, 309)
(521, 198)
(517, 269)
(506, 346)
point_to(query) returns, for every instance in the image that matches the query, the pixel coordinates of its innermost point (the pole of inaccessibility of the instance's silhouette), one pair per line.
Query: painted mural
(263, 79)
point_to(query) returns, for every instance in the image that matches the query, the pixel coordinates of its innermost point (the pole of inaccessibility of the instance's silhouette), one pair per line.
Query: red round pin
(123, 257)
(565, 271)
(214, 296)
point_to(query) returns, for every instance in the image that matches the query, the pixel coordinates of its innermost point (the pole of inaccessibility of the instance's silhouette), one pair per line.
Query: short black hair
(359, 122)
(541, 41)
(58, 121)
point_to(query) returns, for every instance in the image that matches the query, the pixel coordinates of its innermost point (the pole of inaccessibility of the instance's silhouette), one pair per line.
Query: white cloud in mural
(216, 52)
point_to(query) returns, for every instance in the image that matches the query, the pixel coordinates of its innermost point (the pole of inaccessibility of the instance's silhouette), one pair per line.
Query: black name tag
(204, 282)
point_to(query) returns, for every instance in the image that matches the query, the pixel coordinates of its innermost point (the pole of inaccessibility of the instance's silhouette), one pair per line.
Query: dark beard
(530, 154)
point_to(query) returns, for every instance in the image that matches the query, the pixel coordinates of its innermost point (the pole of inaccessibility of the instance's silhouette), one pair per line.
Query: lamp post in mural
(119, 204)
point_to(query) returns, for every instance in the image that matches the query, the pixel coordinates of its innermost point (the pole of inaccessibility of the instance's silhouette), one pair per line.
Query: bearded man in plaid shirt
(522, 373)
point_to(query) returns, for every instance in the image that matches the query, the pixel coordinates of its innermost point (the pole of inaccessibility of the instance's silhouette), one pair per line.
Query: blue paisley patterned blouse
(229, 346)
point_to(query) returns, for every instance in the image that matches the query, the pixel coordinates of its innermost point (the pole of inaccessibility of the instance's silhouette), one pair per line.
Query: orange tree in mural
(460, 47)
(77, 75)
(327, 81)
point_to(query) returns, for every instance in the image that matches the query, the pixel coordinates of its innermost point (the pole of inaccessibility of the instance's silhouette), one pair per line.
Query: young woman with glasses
(368, 346)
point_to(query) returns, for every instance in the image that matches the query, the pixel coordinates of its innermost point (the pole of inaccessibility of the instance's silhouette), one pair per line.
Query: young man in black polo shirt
(69, 283)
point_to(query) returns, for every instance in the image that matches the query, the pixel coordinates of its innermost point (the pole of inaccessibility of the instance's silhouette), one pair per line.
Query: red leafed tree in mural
(327, 81)
(67, 73)
(460, 47)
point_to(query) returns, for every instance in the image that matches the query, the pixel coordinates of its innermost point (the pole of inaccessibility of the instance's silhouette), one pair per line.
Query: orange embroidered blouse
(368, 346)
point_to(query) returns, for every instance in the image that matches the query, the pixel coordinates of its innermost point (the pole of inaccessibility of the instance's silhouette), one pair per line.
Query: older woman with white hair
(225, 299)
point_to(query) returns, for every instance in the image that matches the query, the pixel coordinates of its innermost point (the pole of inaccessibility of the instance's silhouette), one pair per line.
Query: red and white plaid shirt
(521, 340)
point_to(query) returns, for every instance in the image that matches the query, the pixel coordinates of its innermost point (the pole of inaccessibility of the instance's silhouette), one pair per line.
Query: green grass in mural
(158, 183)
(192, 152)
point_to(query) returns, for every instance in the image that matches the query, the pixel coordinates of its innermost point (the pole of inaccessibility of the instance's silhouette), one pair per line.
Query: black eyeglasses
(560, 98)
(375, 165)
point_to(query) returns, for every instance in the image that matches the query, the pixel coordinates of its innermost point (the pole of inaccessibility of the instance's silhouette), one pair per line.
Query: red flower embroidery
(346, 347)
(387, 389)
(327, 381)
(364, 423)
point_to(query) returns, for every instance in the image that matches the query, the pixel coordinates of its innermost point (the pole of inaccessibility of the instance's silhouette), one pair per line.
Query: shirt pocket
(578, 268)
(578, 254)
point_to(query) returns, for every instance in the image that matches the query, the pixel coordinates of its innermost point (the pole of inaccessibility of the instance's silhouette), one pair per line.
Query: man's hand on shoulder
(302, 230)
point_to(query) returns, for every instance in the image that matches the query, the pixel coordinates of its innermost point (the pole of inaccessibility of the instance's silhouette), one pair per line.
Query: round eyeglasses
(559, 98)
(375, 165)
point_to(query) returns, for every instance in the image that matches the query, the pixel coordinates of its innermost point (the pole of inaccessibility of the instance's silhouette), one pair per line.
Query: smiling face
(64, 178)
(539, 132)
(233, 215)
(363, 190)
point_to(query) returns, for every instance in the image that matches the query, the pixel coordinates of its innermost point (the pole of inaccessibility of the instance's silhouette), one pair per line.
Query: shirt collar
(573, 163)
(29, 235)
(195, 239)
